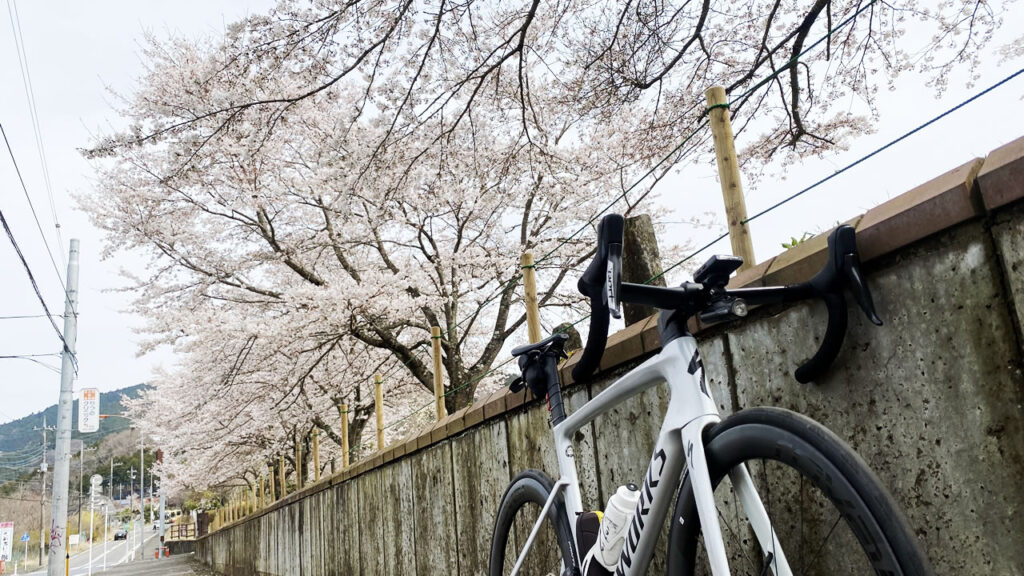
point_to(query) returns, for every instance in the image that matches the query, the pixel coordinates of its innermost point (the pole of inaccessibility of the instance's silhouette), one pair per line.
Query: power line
(34, 361)
(27, 316)
(39, 226)
(35, 286)
(886, 146)
(30, 95)
(856, 162)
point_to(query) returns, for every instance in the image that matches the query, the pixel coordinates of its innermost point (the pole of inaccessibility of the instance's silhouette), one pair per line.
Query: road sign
(89, 411)
(96, 480)
(6, 540)
(24, 537)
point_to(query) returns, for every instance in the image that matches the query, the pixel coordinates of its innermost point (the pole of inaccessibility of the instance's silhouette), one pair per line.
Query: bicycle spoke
(822, 546)
(736, 537)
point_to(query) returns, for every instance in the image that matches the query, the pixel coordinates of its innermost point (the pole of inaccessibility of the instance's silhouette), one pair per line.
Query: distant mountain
(19, 434)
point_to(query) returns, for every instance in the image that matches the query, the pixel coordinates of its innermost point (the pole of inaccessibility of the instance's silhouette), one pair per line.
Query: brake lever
(859, 287)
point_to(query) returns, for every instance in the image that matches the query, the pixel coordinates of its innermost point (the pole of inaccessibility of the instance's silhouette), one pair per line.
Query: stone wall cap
(1001, 179)
(936, 205)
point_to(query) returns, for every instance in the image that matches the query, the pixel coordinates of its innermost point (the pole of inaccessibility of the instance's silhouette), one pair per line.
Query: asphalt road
(117, 554)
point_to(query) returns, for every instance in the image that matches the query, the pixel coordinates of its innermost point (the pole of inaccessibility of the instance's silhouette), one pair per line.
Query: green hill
(19, 434)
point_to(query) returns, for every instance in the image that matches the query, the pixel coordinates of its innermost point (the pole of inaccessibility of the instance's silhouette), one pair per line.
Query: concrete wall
(934, 401)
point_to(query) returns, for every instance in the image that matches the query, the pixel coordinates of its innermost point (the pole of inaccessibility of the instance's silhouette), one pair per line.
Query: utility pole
(81, 471)
(131, 511)
(62, 457)
(42, 493)
(111, 480)
(142, 491)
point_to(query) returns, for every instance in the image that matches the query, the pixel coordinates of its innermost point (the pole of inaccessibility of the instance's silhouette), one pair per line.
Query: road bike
(763, 491)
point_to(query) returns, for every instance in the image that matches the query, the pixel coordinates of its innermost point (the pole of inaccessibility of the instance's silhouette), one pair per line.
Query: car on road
(121, 534)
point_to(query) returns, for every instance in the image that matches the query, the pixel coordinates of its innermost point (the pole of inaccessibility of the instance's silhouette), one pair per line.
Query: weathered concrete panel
(346, 528)
(584, 451)
(436, 537)
(930, 400)
(481, 473)
(531, 444)
(370, 525)
(398, 519)
(1008, 232)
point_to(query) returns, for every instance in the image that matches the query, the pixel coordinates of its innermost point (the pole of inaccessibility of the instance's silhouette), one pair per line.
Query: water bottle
(615, 524)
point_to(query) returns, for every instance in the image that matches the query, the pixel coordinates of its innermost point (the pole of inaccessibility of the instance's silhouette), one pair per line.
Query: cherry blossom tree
(322, 184)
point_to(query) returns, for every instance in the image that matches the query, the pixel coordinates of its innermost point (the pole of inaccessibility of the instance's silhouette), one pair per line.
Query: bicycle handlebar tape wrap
(595, 284)
(841, 271)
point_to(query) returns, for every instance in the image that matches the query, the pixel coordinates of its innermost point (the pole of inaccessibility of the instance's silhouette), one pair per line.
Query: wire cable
(35, 216)
(35, 286)
(30, 95)
(877, 151)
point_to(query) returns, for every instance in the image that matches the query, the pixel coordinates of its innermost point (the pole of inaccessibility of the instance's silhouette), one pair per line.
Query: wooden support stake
(316, 455)
(729, 174)
(280, 473)
(344, 436)
(273, 482)
(263, 500)
(435, 341)
(298, 465)
(378, 381)
(530, 297)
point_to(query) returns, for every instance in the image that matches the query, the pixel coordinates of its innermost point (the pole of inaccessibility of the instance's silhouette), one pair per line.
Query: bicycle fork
(743, 485)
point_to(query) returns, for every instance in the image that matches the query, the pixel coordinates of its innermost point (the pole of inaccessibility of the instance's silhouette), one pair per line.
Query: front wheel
(551, 552)
(829, 511)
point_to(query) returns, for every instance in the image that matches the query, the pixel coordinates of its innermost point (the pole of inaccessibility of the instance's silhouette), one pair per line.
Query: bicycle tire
(779, 440)
(523, 500)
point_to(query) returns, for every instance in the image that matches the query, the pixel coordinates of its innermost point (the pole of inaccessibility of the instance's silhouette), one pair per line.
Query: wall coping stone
(967, 192)
(1001, 179)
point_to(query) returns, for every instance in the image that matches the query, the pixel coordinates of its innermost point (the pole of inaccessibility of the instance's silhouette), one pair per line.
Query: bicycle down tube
(691, 408)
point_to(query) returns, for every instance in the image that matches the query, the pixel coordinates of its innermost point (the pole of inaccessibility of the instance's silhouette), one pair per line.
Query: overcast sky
(78, 50)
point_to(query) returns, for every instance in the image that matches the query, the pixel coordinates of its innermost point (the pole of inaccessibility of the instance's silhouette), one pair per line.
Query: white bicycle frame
(690, 410)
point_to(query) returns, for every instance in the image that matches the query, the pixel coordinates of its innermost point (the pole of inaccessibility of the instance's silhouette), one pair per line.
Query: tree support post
(435, 342)
(729, 174)
(298, 464)
(272, 482)
(344, 436)
(280, 473)
(378, 384)
(527, 265)
(316, 455)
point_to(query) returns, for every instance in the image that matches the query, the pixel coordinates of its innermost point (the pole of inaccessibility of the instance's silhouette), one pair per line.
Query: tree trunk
(463, 397)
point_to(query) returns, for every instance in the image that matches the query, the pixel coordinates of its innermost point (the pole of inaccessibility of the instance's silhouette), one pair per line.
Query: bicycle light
(739, 308)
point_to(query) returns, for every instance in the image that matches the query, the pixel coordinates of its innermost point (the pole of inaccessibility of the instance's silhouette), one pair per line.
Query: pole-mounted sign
(89, 411)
